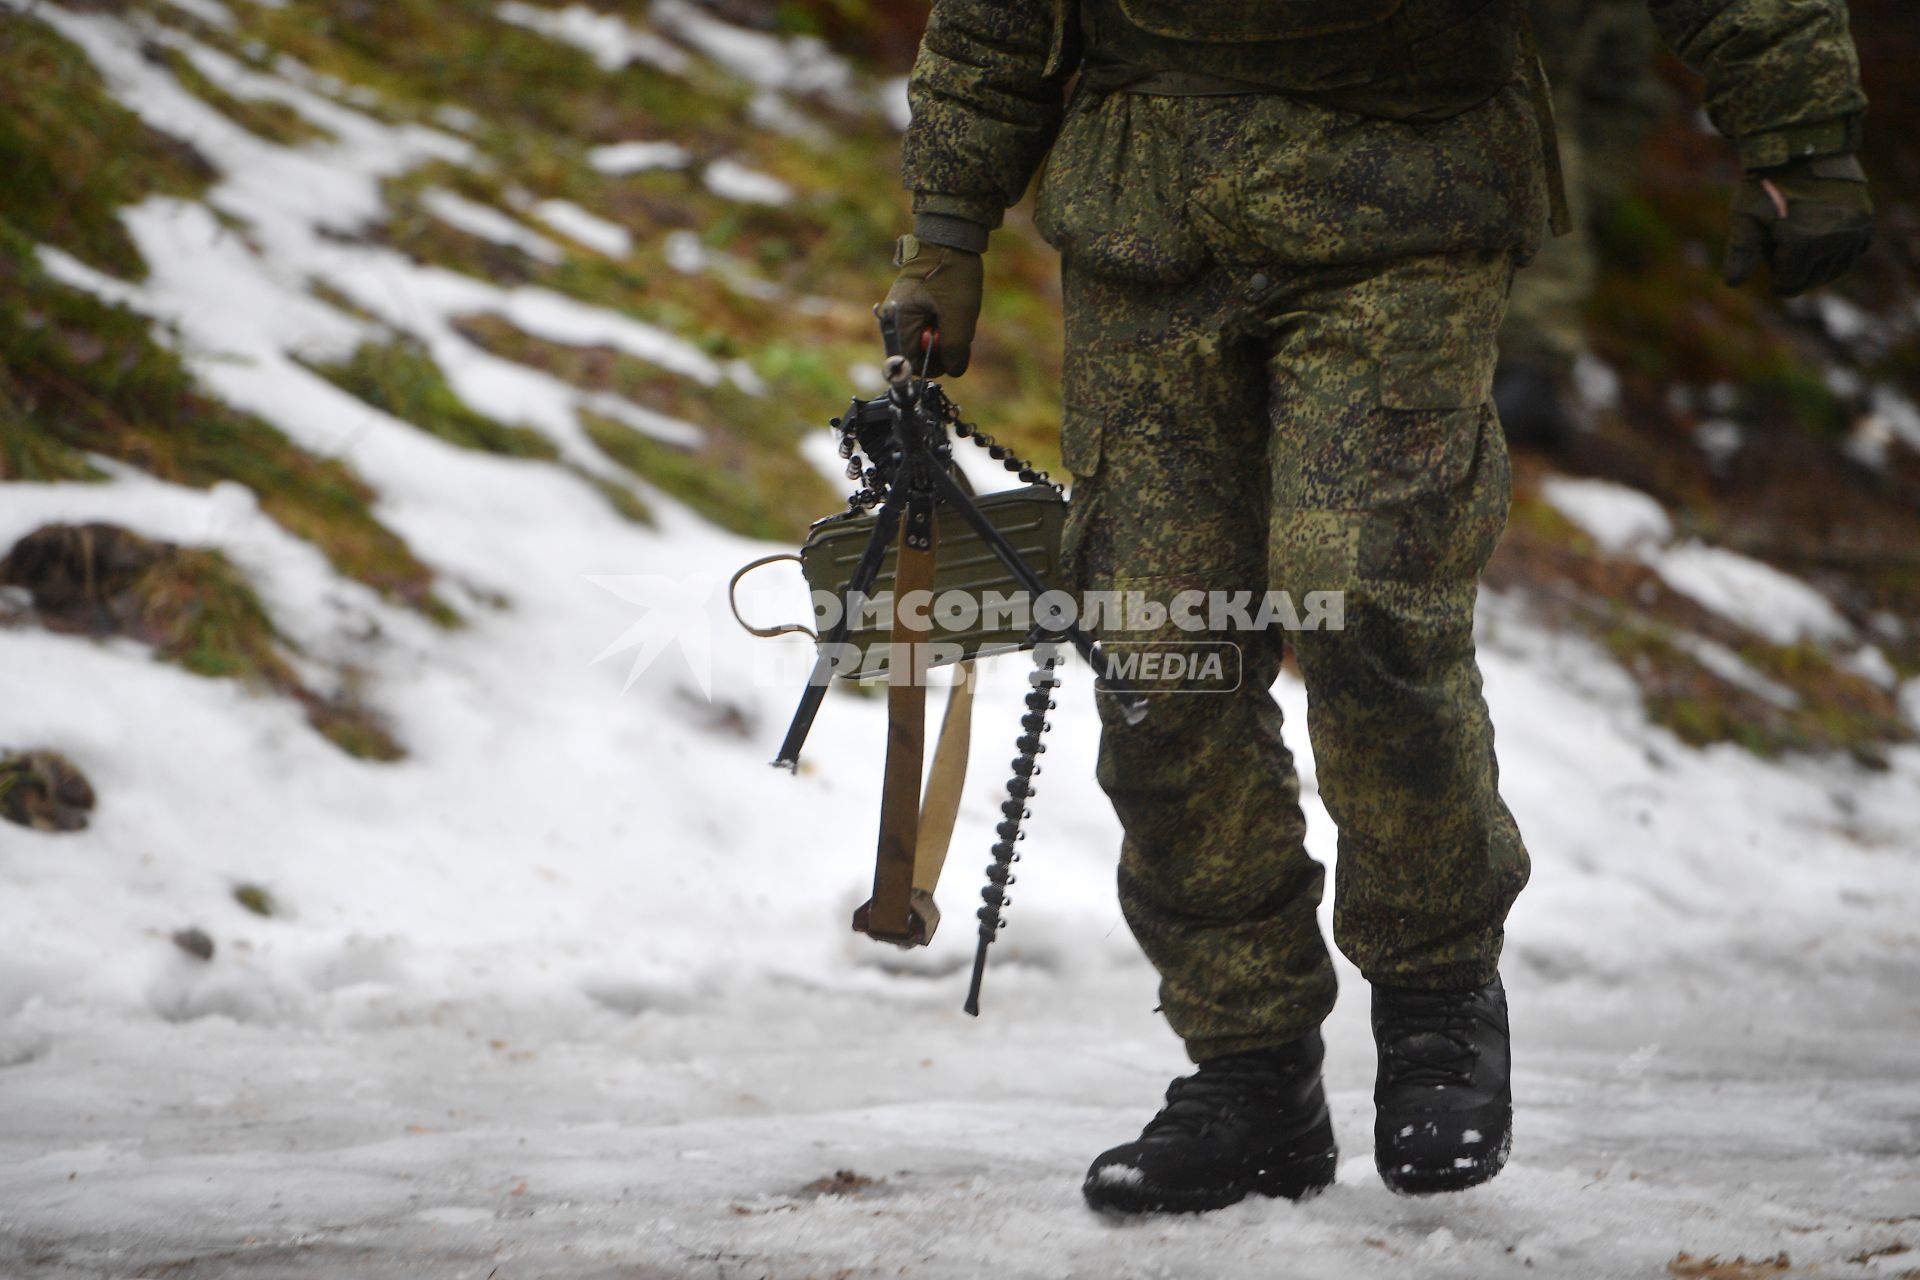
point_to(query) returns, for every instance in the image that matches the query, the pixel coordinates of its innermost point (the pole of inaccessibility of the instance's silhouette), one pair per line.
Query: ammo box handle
(733, 603)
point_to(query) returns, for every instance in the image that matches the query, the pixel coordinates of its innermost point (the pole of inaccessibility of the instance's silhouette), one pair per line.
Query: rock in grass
(192, 605)
(79, 575)
(44, 790)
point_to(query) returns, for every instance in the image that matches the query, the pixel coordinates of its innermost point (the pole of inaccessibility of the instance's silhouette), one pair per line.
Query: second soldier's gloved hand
(1808, 220)
(938, 289)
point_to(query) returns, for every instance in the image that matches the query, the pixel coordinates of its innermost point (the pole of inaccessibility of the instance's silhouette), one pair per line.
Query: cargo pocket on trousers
(1436, 499)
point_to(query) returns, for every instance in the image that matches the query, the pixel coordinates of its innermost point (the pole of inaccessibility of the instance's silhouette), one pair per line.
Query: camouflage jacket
(1782, 80)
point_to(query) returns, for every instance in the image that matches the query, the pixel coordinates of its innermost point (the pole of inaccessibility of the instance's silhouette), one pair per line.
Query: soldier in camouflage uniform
(1287, 231)
(1598, 55)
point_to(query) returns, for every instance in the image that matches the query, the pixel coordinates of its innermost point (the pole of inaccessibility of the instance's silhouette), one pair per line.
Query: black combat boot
(1444, 1116)
(1246, 1123)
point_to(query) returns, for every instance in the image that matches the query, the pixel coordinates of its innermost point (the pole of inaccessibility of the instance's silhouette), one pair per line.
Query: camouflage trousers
(1312, 428)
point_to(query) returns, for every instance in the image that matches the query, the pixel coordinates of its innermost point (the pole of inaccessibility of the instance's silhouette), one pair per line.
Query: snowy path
(606, 1021)
(514, 1043)
(679, 1144)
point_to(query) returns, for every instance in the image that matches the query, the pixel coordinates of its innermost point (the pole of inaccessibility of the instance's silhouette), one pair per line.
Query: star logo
(674, 613)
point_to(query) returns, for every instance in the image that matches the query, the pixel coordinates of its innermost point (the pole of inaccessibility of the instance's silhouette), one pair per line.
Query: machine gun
(919, 529)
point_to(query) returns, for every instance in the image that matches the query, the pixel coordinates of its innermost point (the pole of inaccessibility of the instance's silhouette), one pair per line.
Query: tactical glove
(1809, 220)
(938, 292)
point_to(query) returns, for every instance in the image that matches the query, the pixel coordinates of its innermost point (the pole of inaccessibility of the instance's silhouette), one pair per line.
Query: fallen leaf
(842, 1182)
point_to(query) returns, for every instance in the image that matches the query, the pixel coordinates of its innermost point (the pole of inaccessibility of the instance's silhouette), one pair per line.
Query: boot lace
(1212, 1096)
(1432, 1039)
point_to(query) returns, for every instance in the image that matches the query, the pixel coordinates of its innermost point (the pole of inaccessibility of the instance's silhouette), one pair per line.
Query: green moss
(1701, 722)
(422, 236)
(256, 899)
(1531, 515)
(421, 54)
(1797, 393)
(1833, 710)
(340, 301)
(748, 498)
(28, 453)
(805, 369)
(746, 475)
(73, 156)
(886, 34)
(804, 17)
(89, 378)
(354, 728)
(724, 499)
(1839, 709)
(630, 505)
(1632, 235)
(1679, 694)
(264, 117)
(199, 612)
(401, 378)
(822, 250)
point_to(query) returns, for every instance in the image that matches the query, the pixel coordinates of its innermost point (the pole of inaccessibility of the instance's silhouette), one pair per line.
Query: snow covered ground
(569, 992)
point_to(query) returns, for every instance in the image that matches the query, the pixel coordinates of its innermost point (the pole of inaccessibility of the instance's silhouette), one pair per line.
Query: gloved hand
(939, 290)
(1809, 220)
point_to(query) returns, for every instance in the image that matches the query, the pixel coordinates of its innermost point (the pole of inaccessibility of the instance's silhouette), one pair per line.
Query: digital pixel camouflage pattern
(1280, 339)
(1781, 80)
(1329, 432)
(1154, 189)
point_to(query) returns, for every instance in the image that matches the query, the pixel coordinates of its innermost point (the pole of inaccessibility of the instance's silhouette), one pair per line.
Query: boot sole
(1303, 1170)
(1405, 1180)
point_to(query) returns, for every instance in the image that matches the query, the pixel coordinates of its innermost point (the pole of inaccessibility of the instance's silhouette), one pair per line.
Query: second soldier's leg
(1166, 433)
(1391, 485)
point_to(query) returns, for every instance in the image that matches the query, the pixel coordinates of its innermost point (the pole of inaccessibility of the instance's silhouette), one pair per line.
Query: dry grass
(264, 117)
(1652, 630)
(1687, 1267)
(746, 474)
(80, 376)
(73, 156)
